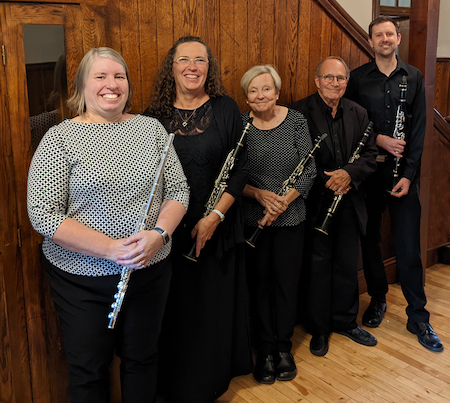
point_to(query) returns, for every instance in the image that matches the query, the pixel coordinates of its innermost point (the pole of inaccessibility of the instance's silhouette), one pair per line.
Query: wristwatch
(165, 235)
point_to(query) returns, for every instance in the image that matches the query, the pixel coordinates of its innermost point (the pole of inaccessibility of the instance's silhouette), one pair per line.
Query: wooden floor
(398, 369)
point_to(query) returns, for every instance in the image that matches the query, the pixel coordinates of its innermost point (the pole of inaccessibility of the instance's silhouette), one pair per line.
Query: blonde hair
(77, 102)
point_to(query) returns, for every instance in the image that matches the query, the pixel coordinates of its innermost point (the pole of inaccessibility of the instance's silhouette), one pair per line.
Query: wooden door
(33, 369)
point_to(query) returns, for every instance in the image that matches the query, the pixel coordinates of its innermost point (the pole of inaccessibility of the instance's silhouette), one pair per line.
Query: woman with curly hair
(206, 311)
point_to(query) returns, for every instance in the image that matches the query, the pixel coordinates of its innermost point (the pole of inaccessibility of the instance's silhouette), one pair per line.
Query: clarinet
(287, 185)
(220, 184)
(337, 198)
(399, 133)
(126, 271)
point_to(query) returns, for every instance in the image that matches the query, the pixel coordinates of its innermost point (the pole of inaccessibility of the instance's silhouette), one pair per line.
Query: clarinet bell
(191, 254)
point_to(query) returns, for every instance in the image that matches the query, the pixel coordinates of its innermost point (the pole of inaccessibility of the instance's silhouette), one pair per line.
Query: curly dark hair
(164, 91)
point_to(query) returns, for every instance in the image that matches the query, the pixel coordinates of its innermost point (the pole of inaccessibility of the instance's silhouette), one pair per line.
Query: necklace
(185, 121)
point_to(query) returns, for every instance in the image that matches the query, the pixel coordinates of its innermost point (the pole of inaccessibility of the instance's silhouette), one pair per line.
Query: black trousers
(332, 272)
(83, 304)
(273, 269)
(405, 224)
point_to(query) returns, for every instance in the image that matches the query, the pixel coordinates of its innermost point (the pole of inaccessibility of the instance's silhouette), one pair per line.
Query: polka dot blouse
(101, 175)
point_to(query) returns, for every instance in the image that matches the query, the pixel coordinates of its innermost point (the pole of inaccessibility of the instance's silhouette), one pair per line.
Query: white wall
(443, 49)
(361, 12)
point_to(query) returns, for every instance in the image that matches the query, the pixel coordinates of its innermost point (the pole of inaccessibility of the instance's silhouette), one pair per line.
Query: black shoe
(285, 369)
(359, 335)
(319, 345)
(374, 313)
(264, 370)
(426, 335)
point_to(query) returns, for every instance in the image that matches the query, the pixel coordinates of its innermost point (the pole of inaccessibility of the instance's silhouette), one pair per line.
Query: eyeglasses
(186, 61)
(329, 78)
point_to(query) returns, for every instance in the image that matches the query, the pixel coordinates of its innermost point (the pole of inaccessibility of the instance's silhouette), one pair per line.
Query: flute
(287, 185)
(399, 133)
(126, 271)
(220, 184)
(337, 198)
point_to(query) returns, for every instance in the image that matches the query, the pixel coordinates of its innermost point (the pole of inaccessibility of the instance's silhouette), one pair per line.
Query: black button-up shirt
(380, 95)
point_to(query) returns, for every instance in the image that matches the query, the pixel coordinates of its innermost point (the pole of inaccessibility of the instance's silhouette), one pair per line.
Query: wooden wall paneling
(336, 39)
(211, 29)
(354, 55)
(15, 373)
(439, 219)
(442, 90)
(303, 52)
(267, 45)
(325, 37)
(148, 50)
(254, 26)
(110, 17)
(131, 52)
(315, 52)
(424, 24)
(74, 40)
(291, 50)
(280, 29)
(240, 52)
(165, 31)
(346, 48)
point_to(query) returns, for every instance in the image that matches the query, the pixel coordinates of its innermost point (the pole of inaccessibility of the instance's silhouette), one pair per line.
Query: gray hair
(347, 70)
(255, 71)
(77, 102)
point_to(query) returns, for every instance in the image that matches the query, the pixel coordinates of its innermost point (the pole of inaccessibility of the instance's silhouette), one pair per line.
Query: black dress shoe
(264, 370)
(374, 313)
(319, 345)
(285, 368)
(426, 335)
(359, 335)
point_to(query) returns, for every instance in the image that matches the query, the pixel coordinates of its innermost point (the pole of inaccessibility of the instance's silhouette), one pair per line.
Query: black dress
(205, 337)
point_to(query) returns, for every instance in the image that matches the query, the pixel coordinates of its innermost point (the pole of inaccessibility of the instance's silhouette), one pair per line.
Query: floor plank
(398, 369)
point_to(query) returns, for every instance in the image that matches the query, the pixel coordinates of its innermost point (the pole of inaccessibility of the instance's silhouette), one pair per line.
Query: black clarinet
(288, 184)
(337, 198)
(220, 184)
(399, 129)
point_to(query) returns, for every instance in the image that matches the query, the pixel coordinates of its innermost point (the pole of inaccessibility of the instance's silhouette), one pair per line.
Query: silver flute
(337, 198)
(287, 185)
(399, 132)
(220, 183)
(140, 226)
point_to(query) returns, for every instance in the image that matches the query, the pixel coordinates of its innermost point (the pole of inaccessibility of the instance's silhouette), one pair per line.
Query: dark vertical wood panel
(184, 12)
(442, 92)
(336, 40)
(148, 49)
(268, 45)
(346, 48)
(303, 58)
(253, 16)
(315, 51)
(165, 30)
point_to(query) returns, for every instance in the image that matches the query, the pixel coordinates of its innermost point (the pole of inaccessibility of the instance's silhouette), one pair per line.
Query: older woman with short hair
(277, 142)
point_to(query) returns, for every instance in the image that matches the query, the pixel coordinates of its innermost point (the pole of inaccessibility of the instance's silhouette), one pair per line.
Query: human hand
(393, 146)
(204, 230)
(401, 188)
(139, 249)
(339, 181)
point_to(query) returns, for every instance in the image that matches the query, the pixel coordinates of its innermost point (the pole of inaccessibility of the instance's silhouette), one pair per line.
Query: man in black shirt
(332, 296)
(376, 86)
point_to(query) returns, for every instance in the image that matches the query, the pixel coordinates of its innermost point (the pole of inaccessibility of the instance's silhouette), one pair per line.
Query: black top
(380, 95)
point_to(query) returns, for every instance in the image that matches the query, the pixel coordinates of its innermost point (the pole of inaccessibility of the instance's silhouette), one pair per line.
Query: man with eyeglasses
(376, 86)
(332, 273)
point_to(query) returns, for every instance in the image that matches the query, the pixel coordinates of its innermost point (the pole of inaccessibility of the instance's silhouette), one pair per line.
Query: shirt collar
(401, 65)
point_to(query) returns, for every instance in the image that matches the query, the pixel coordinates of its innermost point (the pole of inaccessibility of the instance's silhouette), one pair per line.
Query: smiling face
(190, 78)
(261, 94)
(105, 90)
(385, 39)
(331, 92)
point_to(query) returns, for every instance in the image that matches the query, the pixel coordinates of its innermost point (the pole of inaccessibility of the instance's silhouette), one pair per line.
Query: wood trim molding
(337, 12)
(88, 2)
(441, 125)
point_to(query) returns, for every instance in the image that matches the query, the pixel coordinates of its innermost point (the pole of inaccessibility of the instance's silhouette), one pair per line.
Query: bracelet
(221, 215)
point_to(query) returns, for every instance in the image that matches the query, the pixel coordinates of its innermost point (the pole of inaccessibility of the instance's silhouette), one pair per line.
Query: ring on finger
(141, 263)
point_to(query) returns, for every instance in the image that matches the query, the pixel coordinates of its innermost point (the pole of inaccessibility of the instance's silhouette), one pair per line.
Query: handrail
(337, 12)
(441, 124)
